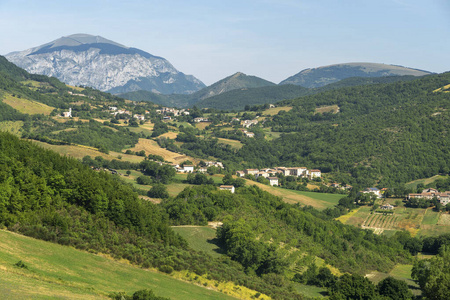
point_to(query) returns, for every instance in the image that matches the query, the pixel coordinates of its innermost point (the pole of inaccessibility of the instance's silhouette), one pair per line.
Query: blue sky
(272, 39)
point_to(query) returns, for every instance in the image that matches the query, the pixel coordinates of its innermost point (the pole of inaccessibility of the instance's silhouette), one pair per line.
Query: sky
(271, 39)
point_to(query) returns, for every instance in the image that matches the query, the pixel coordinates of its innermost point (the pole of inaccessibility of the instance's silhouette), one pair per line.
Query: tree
(353, 287)
(433, 275)
(158, 191)
(394, 289)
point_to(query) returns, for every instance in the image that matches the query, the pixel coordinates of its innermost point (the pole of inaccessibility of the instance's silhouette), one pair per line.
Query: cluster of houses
(249, 123)
(270, 172)
(191, 168)
(172, 111)
(116, 111)
(201, 119)
(443, 198)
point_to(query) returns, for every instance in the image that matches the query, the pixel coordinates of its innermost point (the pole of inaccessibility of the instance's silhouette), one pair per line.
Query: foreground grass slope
(56, 271)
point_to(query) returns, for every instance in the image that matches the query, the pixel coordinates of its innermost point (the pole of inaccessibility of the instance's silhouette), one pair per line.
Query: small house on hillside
(227, 188)
(273, 181)
(188, 168)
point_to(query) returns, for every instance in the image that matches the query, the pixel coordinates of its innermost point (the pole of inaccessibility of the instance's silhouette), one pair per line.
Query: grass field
(152, 147)
(202, 125)
(11, 127)
(401, 272)
(27, 106)
(275, 110)
(424, 181)
(233, 143)
(200, 238)
(329, 108)
(81, 151)
(59, 272)
(317, 200)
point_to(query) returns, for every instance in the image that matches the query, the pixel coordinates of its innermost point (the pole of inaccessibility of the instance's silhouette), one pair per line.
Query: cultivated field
(152, 147)
(424, 181)
(417, 221)
(233, 143)
(59, 272)
(80, 151)
(275, 110)
(27, 106)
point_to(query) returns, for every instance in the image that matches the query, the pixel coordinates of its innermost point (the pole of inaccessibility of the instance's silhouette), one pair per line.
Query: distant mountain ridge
(321, 76)
(234, 82)
(94, 61)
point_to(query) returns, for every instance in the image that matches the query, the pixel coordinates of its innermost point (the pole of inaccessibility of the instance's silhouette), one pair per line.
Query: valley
(128, 188)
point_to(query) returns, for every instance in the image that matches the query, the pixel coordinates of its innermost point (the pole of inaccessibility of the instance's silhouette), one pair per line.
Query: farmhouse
(316, 173)
(200, 119)
(387, 207)
(240, 173)
(139, 117)
(372, 190)
(188, 168)
(227, 188)
(273, 181)
(428, 194)
(263, 174)
(67, 114)
(251, 171)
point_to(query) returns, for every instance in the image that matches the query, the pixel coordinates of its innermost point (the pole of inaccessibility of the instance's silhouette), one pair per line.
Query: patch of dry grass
(152, 147)
(275, 110)
(27, 106)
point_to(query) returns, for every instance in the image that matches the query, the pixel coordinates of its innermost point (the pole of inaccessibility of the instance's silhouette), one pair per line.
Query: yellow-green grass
(400, 272)
(431, 217)
(310, 290)
(345, 218)
(27, 106)
(175, 188)
(317, 200)
(152, 147)
(140, 130)
(275, 110)
(34, 85)
(80, 151)
(169, 135)
(270, 135)
(424, 181)
(442, 89)
(202, 125)
(327, 108)
(11, 126)
(233, 143)
(77, 88)
(56, 271)
(199, 238)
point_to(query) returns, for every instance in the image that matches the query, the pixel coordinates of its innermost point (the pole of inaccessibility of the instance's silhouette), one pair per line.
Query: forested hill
(389, 132)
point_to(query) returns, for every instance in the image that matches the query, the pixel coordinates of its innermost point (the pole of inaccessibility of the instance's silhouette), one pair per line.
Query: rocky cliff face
(105, 65)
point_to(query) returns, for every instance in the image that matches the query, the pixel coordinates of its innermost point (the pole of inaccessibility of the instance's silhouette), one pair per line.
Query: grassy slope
(199, 238)
(27, 106)
(56, 271)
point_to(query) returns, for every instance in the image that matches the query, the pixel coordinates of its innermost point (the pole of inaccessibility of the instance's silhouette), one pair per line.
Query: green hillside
(55, 271)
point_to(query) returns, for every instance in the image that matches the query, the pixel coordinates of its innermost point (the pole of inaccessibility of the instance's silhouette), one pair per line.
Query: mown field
(418, 221)
(152, 147)
(27, 106)
(200, 238)
(59, 272)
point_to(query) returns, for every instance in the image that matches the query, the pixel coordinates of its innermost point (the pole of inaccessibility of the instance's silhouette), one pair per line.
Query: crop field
(60, 272)
(152, 147)
(275, 110)
(11, 127)
(401, 272)
(80, 151)
(27, 106)
(202, 125)
(233, 143)
(199, 238)
(418, 221)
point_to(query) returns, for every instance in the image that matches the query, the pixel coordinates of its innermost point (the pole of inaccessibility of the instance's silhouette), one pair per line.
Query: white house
(251, 171)
(240, 173)
(227, 188)
(273, 181)
(315, 173)
(372, 190)
(68, 114)
(188, 168)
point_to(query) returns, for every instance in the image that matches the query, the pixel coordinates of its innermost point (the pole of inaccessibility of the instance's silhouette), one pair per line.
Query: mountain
(94, 61)
(317, 77)
(237, 81)
(238, 99)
